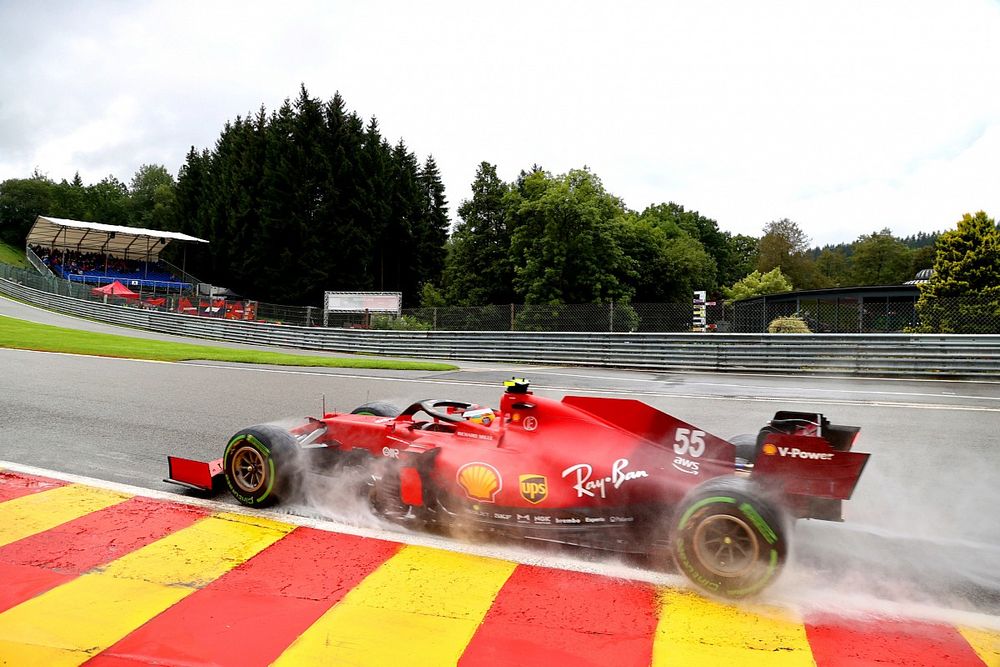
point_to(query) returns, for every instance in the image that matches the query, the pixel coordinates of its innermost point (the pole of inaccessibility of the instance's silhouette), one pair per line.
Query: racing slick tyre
(746, 446)
(258, 463)
(729, 538)
(377, 409)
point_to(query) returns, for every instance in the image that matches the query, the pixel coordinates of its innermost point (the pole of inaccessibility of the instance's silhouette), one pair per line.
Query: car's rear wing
(813, 474)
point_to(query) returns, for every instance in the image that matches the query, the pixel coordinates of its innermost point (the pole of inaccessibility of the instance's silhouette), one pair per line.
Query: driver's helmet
(484, 416)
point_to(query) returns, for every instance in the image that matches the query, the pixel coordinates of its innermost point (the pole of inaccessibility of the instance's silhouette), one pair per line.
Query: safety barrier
(883, 355)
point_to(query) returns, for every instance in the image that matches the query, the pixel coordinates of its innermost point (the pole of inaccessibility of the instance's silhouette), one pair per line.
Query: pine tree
(400, 267)
(431, 231)
(478, 269)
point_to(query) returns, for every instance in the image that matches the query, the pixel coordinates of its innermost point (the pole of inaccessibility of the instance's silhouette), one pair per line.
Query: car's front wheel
(729, 538)
(258, 464)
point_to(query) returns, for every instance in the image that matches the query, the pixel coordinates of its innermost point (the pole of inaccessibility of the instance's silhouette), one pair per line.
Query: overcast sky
(846, 116)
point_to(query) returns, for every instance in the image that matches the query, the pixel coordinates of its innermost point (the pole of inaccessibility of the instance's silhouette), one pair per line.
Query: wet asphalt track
(922, 526)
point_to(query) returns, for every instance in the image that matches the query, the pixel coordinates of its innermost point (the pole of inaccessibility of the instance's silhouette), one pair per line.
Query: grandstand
(97, 254)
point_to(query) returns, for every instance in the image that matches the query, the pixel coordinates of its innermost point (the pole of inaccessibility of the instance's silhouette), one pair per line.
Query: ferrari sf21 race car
(604, 473)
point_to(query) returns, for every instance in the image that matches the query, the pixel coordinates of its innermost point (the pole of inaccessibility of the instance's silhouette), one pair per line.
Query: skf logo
(534, 488)
(480, 481)
(769, 449)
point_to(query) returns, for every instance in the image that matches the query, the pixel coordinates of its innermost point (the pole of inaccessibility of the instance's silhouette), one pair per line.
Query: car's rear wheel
(729, 538)
(746, 446)
(258, 464)
(377, 409)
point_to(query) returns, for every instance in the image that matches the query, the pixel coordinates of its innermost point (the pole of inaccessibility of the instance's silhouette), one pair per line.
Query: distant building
(867, 309)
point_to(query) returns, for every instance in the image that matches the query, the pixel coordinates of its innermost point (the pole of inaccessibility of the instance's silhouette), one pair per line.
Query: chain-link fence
(842, 315)
(848, 316)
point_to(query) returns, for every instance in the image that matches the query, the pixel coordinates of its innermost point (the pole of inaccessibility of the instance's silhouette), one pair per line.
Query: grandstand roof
(113, 240)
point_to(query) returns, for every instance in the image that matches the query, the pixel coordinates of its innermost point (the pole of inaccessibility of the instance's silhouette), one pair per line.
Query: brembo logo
(796, 453)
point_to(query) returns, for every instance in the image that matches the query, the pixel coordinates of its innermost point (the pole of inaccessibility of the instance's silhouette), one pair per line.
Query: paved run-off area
(104, 577)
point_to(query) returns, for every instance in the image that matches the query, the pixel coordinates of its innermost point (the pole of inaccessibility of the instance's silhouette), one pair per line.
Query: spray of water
(920, 540)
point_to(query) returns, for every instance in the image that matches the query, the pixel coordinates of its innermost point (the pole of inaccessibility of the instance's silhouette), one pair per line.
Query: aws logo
(534, 488)
(481, 481)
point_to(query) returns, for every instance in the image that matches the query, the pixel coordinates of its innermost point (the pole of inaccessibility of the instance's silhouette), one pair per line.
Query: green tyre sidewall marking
(701, 503)
(758, 521)
(260, 447)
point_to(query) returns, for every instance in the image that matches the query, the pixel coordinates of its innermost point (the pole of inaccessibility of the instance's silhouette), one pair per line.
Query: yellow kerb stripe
(69, 624)
(696, 631)
(986, 644)
(421, 607)
(37, 512)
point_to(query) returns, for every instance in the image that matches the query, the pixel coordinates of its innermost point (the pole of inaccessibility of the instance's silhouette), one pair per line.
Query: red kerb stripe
(839, 642)
(250, 615)
(15, 484)
(550, 617)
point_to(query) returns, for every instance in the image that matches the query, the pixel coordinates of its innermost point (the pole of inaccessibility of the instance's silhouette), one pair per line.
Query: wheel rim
(248, 469)
(726, 545)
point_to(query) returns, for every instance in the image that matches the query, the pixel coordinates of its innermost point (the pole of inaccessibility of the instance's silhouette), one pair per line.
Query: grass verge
(11, 255)
(25, 335)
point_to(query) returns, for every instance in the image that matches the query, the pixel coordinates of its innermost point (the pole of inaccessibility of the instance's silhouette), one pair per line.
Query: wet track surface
(921, 529)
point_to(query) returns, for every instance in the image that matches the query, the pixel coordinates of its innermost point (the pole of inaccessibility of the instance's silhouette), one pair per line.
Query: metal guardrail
(883, 355)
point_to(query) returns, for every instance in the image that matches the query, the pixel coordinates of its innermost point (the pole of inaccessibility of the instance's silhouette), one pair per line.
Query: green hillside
(11, 255)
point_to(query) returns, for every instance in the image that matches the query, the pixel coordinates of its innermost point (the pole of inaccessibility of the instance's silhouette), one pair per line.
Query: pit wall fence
(875, 355)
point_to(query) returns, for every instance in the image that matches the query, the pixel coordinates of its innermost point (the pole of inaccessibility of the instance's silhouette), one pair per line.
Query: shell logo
(769, 449)
(480, 481)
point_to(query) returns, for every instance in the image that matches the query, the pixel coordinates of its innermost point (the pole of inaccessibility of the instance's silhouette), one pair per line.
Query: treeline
(310, 198)
(149, 201)
(555, 239)
(563, 239)
(295, 202)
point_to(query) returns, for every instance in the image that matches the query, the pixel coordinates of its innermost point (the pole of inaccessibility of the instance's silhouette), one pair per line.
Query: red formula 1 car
(598, 472)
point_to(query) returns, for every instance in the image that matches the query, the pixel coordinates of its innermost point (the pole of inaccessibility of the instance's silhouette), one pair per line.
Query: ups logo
(534, 488)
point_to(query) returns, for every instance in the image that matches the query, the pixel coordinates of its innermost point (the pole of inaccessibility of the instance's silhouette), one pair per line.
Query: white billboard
(359, 302)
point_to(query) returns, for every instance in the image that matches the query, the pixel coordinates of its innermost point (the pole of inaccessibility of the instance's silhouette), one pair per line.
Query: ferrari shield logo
(534, 488)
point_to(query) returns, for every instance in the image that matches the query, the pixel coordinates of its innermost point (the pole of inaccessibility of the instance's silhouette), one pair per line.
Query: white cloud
(845, 116)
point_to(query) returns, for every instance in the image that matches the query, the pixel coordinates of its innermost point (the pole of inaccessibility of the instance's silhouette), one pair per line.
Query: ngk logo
(796, 453)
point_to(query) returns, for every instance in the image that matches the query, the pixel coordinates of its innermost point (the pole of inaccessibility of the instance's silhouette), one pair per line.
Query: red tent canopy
(115, 289)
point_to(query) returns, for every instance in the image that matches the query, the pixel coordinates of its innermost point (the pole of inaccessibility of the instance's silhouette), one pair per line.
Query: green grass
(13, 256)
(24, 335)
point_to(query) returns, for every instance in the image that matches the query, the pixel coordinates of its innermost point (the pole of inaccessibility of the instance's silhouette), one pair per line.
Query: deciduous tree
(880, 259)
(563, 246)
(784, 245)
(758, 284)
